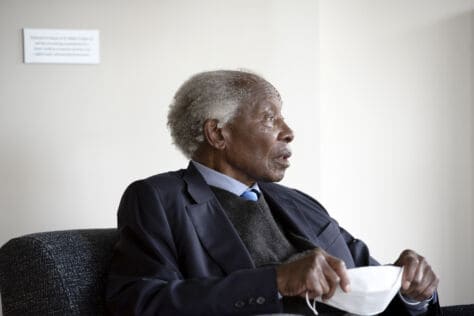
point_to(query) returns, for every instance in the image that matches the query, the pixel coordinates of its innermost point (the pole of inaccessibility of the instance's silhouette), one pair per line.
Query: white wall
(397, 130)
(73, 137)
(393, 139)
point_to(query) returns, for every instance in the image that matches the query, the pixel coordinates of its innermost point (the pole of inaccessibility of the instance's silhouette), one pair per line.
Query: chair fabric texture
(458, 310)
(56, 273)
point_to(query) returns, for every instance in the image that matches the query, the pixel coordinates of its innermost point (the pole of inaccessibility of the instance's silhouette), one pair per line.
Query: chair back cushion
(56, 273)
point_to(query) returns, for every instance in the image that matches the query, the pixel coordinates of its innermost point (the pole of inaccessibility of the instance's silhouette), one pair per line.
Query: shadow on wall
(459, 116)
(472, 131)
(460, 113)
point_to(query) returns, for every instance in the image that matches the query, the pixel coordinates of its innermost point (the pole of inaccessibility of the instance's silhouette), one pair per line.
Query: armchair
(56, 273)
(64, 273)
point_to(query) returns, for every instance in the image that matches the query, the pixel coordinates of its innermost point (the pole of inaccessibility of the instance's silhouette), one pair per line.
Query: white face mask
(372, 289)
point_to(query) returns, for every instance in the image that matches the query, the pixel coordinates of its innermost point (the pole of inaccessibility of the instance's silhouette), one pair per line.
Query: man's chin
(275, 177)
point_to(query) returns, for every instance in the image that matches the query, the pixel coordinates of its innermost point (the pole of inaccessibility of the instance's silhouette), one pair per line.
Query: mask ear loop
(311, 307)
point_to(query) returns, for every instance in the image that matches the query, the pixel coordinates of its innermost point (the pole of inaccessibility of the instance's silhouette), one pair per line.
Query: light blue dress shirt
(222, 181)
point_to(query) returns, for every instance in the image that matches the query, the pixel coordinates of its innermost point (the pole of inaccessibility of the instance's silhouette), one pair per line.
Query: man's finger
(409, 260)
(424, 279)
(340, 268)
(320, 277)
(429, 291)
(332, 279)
(314, 288)
(425, 289)
(421, 279)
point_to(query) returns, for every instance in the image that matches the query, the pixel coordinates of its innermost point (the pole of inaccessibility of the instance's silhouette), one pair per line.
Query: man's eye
(270, 118)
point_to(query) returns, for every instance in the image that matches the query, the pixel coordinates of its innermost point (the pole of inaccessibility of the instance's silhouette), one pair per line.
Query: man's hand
(317, 272)
(419, 281)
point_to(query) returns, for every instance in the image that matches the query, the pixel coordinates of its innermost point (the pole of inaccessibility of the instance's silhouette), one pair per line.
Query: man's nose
(286, 133)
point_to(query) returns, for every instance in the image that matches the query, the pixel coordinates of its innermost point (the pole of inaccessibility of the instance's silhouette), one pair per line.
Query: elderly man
(221, 237)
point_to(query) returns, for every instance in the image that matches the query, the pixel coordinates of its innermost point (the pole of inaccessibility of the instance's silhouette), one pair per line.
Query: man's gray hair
(209, 95)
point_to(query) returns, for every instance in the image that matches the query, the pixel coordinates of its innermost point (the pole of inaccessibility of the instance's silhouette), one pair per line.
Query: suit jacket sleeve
(361, 257)
(145, 276)
(360, 253)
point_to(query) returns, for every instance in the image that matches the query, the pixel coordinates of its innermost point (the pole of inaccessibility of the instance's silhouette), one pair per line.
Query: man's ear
(213, 134)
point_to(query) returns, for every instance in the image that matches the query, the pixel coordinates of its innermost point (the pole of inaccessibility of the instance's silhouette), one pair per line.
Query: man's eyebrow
(267, 112)
(268, 108)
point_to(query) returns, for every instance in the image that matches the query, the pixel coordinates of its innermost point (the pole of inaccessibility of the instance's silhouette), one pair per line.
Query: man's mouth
(283, 158)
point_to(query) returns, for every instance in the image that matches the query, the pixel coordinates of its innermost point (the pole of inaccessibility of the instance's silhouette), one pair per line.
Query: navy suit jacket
(179, 254)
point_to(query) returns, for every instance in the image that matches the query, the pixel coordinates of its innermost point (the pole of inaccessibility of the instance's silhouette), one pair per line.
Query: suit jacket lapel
(214, 229)
(290, 216)
(327, 236)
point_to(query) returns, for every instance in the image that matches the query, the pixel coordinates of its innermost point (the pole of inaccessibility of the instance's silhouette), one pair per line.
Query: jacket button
(260, 300)
(239, 304)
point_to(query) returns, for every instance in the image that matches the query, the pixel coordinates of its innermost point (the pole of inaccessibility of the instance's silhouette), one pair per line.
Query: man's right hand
(317, 272)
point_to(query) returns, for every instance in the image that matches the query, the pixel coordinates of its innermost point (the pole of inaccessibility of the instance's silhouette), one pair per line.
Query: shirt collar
(222, 181)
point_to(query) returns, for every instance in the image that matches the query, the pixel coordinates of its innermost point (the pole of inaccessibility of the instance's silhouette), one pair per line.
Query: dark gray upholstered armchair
(56, 273)
(64, 273)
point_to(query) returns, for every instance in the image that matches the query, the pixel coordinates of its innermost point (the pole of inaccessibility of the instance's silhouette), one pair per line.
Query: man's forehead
(262, 103)
(260, 95)
(265, 89)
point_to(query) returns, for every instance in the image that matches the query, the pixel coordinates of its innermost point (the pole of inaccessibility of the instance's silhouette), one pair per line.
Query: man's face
(256, 141)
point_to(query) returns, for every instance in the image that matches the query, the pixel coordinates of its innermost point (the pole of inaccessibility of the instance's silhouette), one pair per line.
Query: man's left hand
(419, 281)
